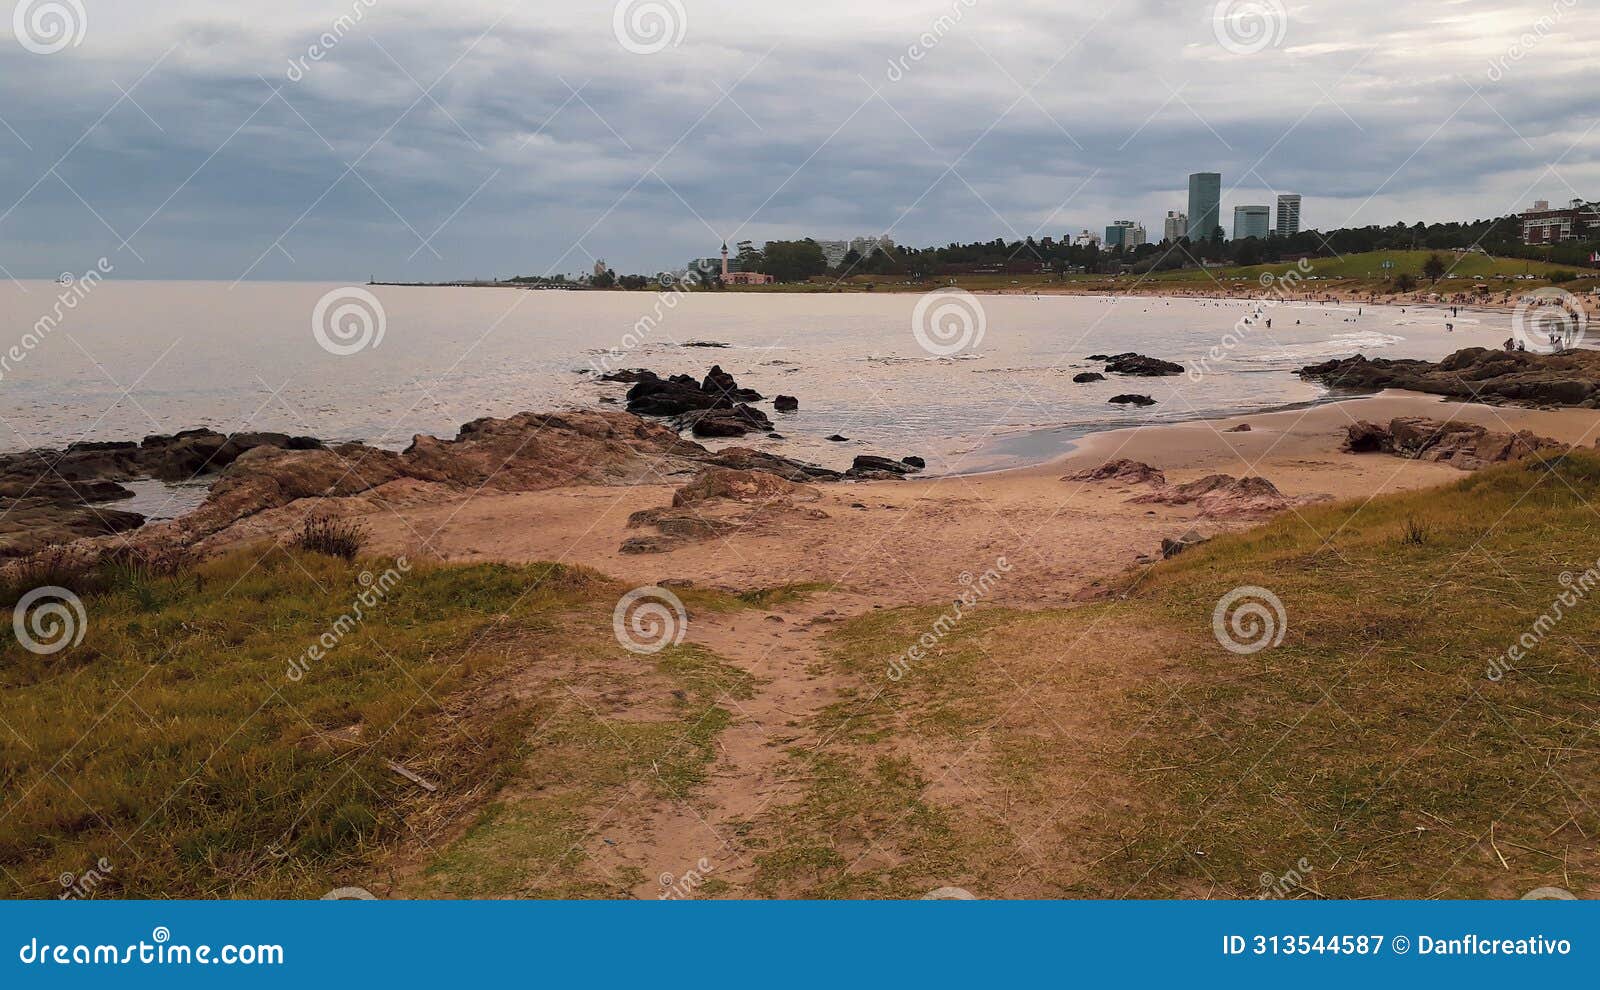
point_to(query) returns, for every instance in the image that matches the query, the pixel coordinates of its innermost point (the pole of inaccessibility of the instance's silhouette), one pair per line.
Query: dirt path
(674, 842)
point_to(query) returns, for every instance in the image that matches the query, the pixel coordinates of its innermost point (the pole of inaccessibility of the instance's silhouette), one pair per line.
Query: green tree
(794, 261)
(1434, 268)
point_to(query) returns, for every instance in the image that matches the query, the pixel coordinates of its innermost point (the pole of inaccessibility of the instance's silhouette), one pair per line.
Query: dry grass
(1117, 750)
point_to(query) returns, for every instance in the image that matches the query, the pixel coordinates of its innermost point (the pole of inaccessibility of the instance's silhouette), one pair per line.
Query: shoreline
(896, 543)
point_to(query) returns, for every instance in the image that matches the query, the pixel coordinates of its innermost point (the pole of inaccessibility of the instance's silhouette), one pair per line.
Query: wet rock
(915, 462)
(1087, 377)
(786, 403)
(867, 466)
(1132, 400)
(836, 438)
(1140, 366)
(721, 386)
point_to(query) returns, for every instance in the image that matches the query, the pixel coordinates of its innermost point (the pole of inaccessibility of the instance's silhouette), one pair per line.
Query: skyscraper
(1288, 214)
(1177, 227)
(1251, 221)
(1205, 205)
(1126, 233)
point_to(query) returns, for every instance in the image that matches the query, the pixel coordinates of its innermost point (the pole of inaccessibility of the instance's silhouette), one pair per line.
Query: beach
(908, 542)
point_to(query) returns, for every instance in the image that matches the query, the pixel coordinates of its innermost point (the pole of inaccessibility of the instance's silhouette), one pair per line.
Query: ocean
(969, 383)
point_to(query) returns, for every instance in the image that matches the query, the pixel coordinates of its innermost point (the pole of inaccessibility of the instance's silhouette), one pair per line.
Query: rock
(654, 396)
(836, 438)
(1241, 428)
(624, 375)
(1140, 366)
(1467, 446)
(1134, 400)
(30, 525)
(915, 462)
(867, 466)
(644, 544)
(1171, 548)
(1224, 496)
(1122, 471)
(1476, 374)
(735, 422)
(720, 385)
(740, 486)
(1087, 377)
(786, 403)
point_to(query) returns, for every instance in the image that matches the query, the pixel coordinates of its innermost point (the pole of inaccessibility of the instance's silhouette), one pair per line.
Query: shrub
(1562, 275)
(343, 538)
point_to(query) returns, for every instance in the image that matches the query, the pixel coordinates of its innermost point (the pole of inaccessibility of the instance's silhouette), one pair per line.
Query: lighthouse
(724, 261)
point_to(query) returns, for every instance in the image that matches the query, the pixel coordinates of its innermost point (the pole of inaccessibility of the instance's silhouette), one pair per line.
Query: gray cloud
(543, 142)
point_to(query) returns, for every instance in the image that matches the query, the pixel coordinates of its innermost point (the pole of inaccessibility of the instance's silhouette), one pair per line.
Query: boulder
(1140, 366)
(1476, 374)
(740, 486)
(868, 466)
(1467, 446)
(1224, 496)
(1087, 377)
(1171, 548)
(1132, 400)
(786, 403)
(1123, 472)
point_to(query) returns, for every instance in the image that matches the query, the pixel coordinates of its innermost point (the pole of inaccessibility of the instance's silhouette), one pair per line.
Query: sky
(403, 140)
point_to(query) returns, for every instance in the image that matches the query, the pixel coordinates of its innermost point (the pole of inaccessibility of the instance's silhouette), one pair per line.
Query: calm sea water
(127, 359)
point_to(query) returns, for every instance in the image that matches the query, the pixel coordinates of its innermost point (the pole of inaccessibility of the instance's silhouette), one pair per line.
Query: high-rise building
(1288, 214)
(1126, 233)
(1177, 227)
(1251, 221)
(1205, 205)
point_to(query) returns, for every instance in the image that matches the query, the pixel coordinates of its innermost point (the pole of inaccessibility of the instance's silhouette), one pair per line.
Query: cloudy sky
(411, 139)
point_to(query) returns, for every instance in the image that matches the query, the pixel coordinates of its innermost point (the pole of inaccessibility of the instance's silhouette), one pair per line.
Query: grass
(174, 743)
(1117, 750)
(1363, 271)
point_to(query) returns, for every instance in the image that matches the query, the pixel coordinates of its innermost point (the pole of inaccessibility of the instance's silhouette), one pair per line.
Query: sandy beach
(906, 542)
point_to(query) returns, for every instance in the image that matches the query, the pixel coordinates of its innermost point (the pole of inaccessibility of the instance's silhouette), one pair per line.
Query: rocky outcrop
(1140, 366)
(1222, 496)
(1132, 400)
(1467, 446)
(56, 496)
(715, 407)
(718, 502)
(1476, 374)
(869, 468)
(1121, 472)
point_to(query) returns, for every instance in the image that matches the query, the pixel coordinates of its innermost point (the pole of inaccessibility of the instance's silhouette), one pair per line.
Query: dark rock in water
(915, 462)
(1476, 374)
(1099, 357)
(653, 396)
(1142, 367)
(720, 384)
(1241, 428)
(1133, 400)
(735, 422)
(836, 438)
(1087, 377)
(1171, 548)
(775, 436)
(786, 403)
